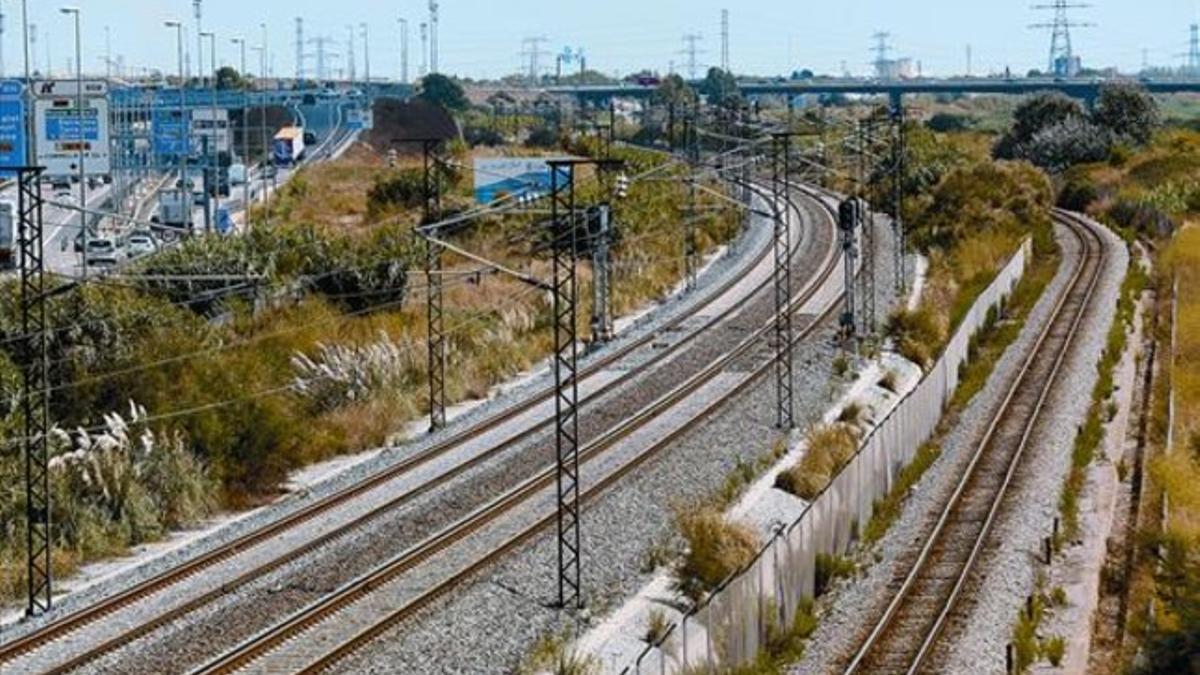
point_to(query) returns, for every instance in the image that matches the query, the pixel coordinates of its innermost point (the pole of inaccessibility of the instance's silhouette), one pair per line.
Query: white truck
(174, 208)
(288, 148)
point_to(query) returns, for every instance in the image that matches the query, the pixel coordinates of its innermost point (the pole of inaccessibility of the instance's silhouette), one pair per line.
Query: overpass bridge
(1087, 89)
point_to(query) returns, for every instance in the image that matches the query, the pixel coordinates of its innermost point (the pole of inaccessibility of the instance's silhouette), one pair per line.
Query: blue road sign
(170, 133)
(12, 126)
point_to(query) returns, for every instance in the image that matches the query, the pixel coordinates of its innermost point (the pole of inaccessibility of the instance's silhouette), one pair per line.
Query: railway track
(323, 634)
(903, 640)
(62, 631)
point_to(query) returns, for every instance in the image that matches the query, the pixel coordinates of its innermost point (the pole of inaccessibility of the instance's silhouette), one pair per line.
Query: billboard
(12, 126)
(63, 130)
(497, 177)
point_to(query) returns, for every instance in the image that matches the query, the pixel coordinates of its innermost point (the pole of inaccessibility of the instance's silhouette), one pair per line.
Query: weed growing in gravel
(1091, 434)
(888, 381)
(1054, 649)
(1025, 641)
(841, 365)
(551, 655)
(829, 448)
(716, 548)
(829, 569)
(885, 511)
(657, 626)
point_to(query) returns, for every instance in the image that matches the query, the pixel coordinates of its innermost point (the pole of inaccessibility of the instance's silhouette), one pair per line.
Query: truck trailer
(289, 146)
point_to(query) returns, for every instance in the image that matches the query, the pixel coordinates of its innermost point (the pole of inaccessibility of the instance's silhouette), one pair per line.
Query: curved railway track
(904, 638)
(67, 626)
(343, 629)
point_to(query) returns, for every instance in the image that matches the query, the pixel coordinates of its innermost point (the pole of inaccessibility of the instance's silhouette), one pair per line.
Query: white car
(103, 251)
(141, 244)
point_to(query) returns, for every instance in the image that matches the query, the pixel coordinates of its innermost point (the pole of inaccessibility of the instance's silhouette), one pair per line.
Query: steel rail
(931, 633)
(355, 590)
(184, 571)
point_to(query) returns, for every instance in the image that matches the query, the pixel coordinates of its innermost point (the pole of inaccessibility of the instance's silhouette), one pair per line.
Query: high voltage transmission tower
(881, 50)
(1063, 61)
(532, 50)
(1193, 55)
(725, 40)
(299, 49)
(691, 50)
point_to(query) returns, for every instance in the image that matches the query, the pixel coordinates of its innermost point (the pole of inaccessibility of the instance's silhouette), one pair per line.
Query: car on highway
(103, 251)
(140, 243)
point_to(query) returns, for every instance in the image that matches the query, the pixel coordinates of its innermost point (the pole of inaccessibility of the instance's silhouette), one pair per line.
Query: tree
(673, 90)
(721, 88)
(230, 78)
(1065, 144)
(949, 123)
(1127, 111)
(1034, 115)
(441, 90)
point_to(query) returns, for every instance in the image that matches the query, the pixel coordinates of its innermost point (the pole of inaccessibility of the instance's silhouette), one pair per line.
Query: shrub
(1127, 111)
(657, 626)
(830, 568)
(888, 381)
(841, 365)
(1054, 649)
(405, 189)
(829, 448)
(716, 548)
(1065, 144)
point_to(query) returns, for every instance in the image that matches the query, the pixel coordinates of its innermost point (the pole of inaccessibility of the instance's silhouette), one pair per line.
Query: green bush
(830, 568)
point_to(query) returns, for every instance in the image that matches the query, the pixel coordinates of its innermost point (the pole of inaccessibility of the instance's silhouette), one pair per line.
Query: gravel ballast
(488, 625)
(848, 612)
(746, 247)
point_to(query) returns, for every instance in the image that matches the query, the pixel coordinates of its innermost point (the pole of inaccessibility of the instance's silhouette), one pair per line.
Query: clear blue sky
(483, 37)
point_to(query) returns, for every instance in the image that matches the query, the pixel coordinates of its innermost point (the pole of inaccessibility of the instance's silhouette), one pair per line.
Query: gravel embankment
(1008, 572)
(731, 265)
(260, 603)
(849, 611)
(492, 622)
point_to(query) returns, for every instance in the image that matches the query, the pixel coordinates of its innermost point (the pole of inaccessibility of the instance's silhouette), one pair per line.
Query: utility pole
(433, 36)
(691, 40)
(725, 40)
(899, 166)
(785, 412)
(435, 314)
(424, 49)
(969, 63)
(81, 139)
(108, 72)
(300, 50)
(199, 48)
(691, 253)
(1063, 62)
(366, 38)
(866, 221)
(350, 52)
(403, 50)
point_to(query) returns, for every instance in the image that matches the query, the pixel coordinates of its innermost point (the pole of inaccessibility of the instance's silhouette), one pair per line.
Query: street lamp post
(403, 50)
(241, 43)
(184, 145)
(81, 140)
(211, 156)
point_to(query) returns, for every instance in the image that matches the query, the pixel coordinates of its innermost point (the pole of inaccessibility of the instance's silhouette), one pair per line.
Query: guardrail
(730, 626)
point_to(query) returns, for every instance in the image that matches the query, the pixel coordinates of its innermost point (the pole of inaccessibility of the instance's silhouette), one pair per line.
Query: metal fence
(729, 627)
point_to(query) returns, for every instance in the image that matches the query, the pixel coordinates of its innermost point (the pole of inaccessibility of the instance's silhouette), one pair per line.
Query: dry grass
(829, 449)
(716, 548)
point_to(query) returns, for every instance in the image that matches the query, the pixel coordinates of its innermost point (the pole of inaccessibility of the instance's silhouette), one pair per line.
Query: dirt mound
(415, 119)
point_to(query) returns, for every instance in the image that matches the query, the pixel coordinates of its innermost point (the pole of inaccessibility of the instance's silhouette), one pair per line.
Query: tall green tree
(1127, 111)
(673, 90)
(444, 91)
(721, 88)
